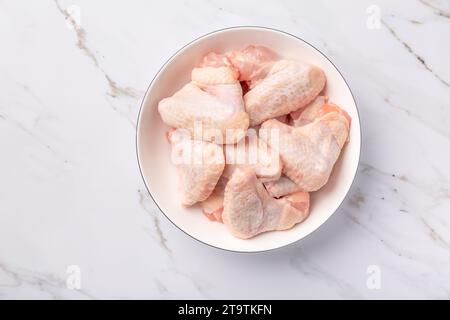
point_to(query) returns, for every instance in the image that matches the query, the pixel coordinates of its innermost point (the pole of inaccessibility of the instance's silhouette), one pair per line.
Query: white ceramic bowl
(153, 150)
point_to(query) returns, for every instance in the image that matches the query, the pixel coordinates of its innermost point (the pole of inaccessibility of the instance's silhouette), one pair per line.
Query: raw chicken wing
(200, 165)
(210, 106)
(250, 210)
(290, 85)
(309, 152)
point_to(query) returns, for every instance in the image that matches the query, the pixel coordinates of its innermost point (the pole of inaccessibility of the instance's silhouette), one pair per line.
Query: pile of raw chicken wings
(252, 134)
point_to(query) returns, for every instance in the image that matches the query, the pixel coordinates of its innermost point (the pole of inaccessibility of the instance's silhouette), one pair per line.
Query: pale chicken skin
(315, 109)
(307, 114)
(212, 207)
(290, 85)
(255, 153)
(250, 152)
(210, 107)
(200, 165)
(249, 210)
(217, 60)
(309, 152)
(281, 187)
(253, 63)
(249, 65)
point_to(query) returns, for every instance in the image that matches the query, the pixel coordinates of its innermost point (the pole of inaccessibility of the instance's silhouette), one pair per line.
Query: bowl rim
(138, 124)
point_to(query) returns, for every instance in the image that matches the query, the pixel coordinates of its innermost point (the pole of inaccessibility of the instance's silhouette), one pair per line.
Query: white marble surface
(71, 192)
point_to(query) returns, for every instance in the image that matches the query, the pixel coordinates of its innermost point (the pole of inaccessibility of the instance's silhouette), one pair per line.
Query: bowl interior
(154, 152)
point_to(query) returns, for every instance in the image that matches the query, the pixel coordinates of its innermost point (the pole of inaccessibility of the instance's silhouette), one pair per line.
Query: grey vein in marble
(367, 169)
(115, 89)
(418, 118)
(159, 233)
(411, 51)
(305, 266)
(439, 11)
(435, 236)
(357, 199)
(44, 282)
(31, 134)
(388, 245)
